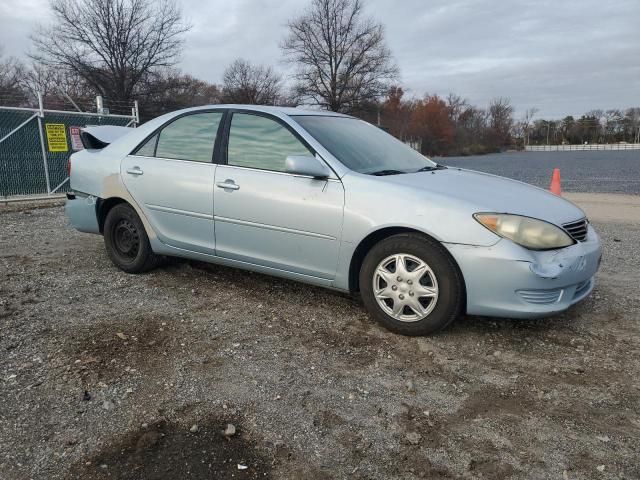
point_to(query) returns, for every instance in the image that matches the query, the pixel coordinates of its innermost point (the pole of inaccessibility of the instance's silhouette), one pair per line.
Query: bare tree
(501, 120)
(525, 124)
(252, 84)
(456, 105)
(59, 88)
(632, 119)
(112, 44)
(11, 76)
(168, 90)
(342, 58)
(613, 125)
(597, 118)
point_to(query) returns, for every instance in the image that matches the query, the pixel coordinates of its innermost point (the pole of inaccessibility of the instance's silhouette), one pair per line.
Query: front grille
(577, 230)
(541, 297)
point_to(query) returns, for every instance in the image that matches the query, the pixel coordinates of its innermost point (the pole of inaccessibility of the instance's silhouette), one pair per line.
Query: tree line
(452, 126)
(595, 126)
(126, 50)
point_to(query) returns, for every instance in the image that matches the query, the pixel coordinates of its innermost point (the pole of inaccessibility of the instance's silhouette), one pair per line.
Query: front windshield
(363, 147)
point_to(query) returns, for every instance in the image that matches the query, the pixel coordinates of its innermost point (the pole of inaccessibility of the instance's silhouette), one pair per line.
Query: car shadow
(258, 283)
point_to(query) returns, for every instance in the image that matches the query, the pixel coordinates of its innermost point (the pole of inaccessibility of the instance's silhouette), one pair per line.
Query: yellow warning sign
(57, 137)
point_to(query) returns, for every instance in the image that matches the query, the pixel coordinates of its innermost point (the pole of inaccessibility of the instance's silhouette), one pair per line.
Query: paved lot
(108, 375)
(603, 172)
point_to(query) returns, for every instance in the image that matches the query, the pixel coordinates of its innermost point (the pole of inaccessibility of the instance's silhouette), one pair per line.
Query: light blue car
(333, 201)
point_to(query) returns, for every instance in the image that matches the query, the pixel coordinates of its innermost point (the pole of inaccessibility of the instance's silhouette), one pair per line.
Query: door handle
(135, 171)
(228, 185)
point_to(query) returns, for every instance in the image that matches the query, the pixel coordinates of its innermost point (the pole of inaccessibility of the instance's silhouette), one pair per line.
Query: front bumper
(507, 280)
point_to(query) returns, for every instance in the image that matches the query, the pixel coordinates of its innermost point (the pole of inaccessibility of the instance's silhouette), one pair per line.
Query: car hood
(490, 193)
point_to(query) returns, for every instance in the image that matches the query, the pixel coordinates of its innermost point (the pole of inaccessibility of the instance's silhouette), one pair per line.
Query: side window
(191, 137)
(149, 148)
(259, 142)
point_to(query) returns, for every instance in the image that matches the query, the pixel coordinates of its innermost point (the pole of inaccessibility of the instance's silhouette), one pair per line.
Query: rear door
(171, 178)
(266, 216)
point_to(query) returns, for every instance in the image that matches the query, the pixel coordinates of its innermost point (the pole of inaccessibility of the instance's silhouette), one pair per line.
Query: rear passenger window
(259, 142)
(191, 137)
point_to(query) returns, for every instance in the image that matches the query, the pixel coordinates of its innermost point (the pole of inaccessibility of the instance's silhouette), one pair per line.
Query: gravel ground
(604, 172)
(109, 375)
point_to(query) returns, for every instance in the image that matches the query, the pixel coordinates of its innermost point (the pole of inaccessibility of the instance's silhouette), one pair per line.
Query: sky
(563, 57)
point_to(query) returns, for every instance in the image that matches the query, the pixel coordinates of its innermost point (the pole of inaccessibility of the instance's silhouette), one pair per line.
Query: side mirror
(306, 165)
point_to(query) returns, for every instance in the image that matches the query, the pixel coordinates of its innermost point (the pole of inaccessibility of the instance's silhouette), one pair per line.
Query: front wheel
(126, 240)
(411, 285)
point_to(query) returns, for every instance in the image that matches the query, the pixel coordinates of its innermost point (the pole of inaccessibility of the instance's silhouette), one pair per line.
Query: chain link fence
(35, 146)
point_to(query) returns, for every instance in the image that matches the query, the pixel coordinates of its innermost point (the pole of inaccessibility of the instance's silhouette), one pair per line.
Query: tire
(127, 242)
(436, 283)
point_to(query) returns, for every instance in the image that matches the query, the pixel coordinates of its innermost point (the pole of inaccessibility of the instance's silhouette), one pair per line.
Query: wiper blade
(430, 168)
(381, 173)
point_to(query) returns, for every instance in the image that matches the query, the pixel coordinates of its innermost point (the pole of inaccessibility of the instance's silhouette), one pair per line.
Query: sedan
(333, 201)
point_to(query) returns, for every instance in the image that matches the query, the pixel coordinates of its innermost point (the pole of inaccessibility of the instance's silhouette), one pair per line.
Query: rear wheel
(411, 285)
(126, 240)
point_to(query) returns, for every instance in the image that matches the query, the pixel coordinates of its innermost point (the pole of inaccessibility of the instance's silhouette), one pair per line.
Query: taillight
(69, 167)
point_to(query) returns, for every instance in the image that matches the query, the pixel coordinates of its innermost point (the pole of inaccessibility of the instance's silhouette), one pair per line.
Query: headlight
(528, 232)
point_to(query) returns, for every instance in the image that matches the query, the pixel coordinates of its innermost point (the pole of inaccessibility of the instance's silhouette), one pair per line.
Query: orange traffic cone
(555, 183)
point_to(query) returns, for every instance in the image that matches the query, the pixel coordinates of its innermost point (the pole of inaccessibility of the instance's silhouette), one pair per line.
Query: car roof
(289, 111)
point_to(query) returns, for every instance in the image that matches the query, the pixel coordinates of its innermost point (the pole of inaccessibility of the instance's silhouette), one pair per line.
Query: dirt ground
(105, 375)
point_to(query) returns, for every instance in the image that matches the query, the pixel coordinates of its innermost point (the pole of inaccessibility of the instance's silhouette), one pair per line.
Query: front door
(267, 217)
(171, 178)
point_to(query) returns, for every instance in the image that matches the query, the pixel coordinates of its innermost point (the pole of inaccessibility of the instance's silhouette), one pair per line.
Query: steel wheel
(405, 287)
(126, 239)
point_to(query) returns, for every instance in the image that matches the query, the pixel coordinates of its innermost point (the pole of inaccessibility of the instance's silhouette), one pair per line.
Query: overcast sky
(563, 56)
